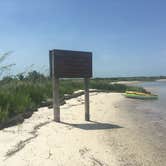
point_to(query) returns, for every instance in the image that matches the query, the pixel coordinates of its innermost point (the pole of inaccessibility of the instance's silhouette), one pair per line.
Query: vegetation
(104, 84)
(4, 68)
(23, 93)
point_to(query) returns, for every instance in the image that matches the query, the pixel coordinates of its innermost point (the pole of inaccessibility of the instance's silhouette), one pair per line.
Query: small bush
(135, 88)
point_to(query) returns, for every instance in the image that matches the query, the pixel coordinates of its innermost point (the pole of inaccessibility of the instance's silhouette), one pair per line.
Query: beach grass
(26, 93)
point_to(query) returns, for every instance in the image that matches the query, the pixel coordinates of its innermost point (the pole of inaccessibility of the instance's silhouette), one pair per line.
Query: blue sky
(127, 37)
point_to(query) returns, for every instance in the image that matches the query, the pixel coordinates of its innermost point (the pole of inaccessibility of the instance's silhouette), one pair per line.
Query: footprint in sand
(94, 161)
(83, 151)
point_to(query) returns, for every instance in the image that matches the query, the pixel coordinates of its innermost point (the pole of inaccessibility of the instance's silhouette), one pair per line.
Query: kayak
(140, 95)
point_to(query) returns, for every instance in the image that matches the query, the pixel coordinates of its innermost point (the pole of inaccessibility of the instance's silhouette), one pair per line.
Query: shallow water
(148, 118)
(158, 107)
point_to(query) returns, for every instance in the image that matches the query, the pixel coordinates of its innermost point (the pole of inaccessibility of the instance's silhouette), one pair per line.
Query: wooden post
(86, 82)
(55, 84)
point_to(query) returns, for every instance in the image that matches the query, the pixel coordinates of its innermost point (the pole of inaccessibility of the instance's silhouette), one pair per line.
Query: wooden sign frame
(69, 64)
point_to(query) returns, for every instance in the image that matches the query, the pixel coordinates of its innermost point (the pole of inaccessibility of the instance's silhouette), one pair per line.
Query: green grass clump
(135, 88)
(18, 96)
(107, 86)
(69, 86)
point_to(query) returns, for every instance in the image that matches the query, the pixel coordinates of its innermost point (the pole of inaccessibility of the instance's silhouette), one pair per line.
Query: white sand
(39, 141)
(127, 82)
(161, 80)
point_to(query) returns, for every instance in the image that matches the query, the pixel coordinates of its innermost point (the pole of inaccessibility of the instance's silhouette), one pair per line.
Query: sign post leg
(55, 85)
(86, 82)
(56, 105)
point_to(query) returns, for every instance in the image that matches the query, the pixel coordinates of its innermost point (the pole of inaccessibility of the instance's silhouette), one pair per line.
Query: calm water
(149, 118)
(157, 107)
(154, 111)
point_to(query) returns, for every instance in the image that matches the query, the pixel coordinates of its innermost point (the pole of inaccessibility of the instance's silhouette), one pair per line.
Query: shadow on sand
(93, 126)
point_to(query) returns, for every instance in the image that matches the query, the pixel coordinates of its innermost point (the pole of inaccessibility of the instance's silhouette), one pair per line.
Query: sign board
(70, 64)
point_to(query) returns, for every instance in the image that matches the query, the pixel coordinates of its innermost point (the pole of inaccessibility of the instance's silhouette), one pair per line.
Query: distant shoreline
(137, 82)
(161, 80)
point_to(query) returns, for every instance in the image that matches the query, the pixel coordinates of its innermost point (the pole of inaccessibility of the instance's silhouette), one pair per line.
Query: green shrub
(135, 88)
(103, 85)
(3, 114)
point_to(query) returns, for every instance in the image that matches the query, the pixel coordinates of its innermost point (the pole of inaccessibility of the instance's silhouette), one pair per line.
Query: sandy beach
(113, 137)
(127, 82)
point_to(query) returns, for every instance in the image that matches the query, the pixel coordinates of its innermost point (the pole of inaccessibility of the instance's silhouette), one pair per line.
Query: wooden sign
(71, 64)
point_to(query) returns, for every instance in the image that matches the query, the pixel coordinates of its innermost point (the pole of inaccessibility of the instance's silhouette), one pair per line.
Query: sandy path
(110, 139)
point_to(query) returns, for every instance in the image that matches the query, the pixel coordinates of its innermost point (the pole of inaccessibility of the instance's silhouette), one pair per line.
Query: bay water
(148, 119)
